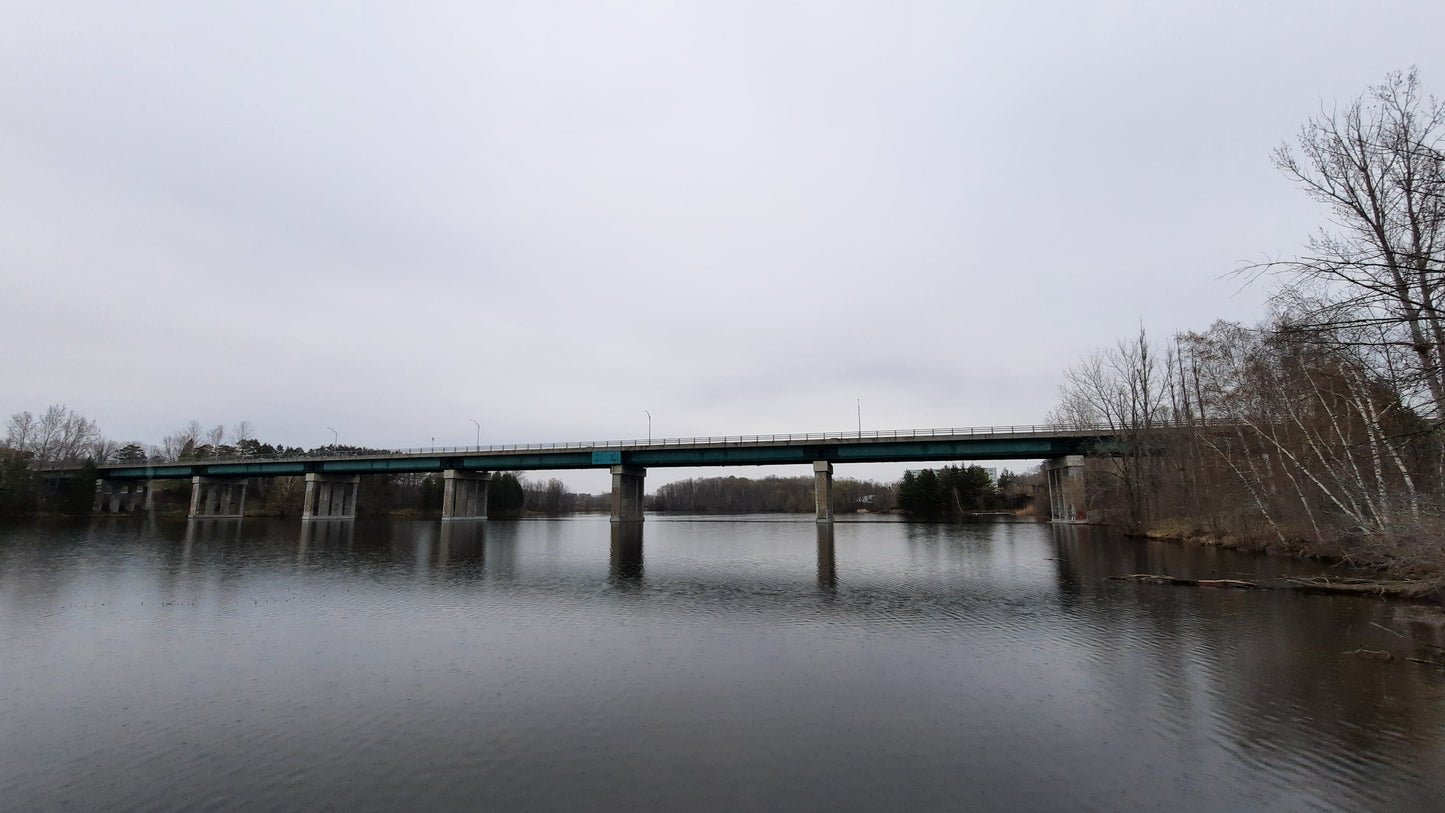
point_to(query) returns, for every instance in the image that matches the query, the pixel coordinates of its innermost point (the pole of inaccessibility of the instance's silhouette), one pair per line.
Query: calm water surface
(737, 663)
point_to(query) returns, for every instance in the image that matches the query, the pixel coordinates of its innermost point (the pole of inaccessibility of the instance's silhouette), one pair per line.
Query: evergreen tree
(18, 484)
(504, 496)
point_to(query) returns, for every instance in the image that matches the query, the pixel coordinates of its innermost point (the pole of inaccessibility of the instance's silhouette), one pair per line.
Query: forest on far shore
(60, 435)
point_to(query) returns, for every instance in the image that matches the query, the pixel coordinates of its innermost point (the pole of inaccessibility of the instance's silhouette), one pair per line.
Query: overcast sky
(394, 218)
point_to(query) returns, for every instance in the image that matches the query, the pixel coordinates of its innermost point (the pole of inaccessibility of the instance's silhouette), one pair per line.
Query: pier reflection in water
(626, 562)
(827, 559)
(741, 662)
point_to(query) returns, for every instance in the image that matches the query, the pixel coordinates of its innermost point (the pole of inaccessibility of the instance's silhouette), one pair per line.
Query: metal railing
(756, 440)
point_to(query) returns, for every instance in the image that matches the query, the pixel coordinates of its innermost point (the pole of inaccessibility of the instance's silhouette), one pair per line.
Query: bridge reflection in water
(461, 545)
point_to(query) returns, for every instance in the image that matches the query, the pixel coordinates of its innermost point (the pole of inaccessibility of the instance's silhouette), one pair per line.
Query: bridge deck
(919, 445)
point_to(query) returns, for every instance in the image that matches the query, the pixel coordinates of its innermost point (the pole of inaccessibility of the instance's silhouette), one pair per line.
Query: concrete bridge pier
(627, 493)
(218, 497)
(823, 489)
(331, 496)
(113, 497)
(1066, 489)
(464, 494)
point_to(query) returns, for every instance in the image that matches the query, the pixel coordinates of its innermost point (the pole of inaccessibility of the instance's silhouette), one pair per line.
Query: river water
(693, 663)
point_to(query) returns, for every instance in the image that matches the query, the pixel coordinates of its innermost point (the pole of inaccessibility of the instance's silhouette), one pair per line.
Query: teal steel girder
(726, 456)
(257, 469)
(149, 473)
(980, 449)
(393, 465)
(527, 461)
(876, 452)
(912, 450)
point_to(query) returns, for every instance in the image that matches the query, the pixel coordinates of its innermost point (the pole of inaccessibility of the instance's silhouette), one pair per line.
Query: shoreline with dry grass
(1416, 573)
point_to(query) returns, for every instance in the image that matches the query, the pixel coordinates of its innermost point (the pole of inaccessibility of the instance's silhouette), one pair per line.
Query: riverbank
(1415, 571)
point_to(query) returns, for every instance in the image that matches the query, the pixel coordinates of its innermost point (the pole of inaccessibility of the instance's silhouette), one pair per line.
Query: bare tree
(183, 442)
(1317, 436)
(1122, 388)
(103, 450)
(242, 431)
(58, 436)
(1378, 165)
(20, 430)
(549, 498)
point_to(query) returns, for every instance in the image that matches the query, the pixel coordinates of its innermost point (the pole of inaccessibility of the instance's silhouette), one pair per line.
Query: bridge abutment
(1066, 489)
(331, 496)
(823, 489)
(218, 497)
(464, 494)
(627, 493)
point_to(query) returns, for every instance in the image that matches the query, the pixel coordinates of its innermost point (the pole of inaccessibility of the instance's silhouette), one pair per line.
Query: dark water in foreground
(748, 663)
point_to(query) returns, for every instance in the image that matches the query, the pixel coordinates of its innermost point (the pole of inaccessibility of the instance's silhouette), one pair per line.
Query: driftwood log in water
(1150, 578)
(1383, 655)
(1364, 587)
(1358, 587)
(1371, 654)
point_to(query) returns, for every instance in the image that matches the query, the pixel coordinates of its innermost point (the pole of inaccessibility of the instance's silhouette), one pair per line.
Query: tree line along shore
(1318, 429)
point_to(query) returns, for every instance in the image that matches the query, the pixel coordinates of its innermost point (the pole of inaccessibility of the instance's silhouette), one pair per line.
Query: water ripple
(718, 663)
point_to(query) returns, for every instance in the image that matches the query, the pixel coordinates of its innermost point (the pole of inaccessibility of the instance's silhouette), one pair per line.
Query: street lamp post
(649, 427)
(335, 438)
(479, 432)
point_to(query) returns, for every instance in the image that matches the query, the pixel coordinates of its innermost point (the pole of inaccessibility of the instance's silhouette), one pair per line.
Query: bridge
(218, 486)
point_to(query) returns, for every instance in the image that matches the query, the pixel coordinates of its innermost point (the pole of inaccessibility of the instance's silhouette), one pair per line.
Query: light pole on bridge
(649, 427)
(335, 438)
(479, 432)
